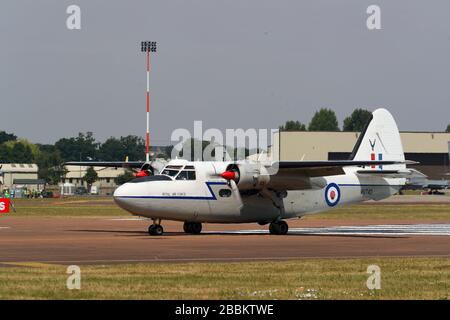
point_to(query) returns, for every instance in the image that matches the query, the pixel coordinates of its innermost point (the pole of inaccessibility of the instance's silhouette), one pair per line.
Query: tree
(191, 146)
(324, 120)
(56, 174)
(124, 178)
(448, 128)
(90, 177)
(293, 126)
(49, 162)
(357, 120)
(84, 147)
(7, 137)
(114, 149)
(16, 152)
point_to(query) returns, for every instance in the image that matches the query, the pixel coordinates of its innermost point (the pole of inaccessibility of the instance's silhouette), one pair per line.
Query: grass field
(401, 278)
(105, 207)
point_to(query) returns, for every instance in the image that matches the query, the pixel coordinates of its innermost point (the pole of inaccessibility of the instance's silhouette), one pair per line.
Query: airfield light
(148, 46)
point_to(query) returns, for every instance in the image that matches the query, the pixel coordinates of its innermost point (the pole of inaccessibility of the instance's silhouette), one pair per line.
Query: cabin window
(225, 193)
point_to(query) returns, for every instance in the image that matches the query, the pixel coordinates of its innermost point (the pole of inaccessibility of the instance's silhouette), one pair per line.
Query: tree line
(326, 120)
(84, 147)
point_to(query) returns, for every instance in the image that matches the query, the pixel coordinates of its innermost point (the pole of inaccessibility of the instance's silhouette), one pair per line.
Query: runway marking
(389, 229)
(5, 227)
(32, 264)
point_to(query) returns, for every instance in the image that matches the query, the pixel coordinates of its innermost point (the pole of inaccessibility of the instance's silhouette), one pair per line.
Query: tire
(187, 227)
(273, 228)
(158, 230)
(192, 227)
(283, 227)
(196, 228)
(278, 227)
(155, 230)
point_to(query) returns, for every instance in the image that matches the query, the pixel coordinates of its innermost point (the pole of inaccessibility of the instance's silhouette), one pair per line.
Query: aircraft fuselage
(209, 198)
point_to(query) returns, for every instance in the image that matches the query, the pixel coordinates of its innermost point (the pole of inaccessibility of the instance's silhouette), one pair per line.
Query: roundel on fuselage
(332, 194)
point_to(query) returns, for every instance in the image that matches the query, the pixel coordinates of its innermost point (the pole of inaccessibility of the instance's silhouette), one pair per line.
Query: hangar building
(431, 149)
(105, 181)
(20, 175)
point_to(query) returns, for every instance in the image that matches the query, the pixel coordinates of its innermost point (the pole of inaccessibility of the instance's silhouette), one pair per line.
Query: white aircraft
(197, 192)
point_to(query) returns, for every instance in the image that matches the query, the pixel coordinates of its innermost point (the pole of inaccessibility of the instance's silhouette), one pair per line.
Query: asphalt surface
(105, 240)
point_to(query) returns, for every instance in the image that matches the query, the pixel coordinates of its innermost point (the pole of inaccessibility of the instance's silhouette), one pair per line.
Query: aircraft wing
(328, 168)
(296, 175)
(406, 173)
(112, 164)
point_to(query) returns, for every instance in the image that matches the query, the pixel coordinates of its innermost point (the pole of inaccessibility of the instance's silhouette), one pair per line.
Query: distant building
(431, 149)
(19, 176)
(105, 182)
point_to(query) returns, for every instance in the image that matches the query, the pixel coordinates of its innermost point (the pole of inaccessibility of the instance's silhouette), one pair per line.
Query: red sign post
(4, 205)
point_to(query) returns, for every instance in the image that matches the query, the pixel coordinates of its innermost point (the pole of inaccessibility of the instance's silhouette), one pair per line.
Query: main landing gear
(156, 228)
(192, 227)
(278, 227)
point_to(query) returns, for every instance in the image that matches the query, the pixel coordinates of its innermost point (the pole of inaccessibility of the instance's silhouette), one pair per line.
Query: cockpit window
(179, 173)
(170, 172)
(186, 175)
(173, 167)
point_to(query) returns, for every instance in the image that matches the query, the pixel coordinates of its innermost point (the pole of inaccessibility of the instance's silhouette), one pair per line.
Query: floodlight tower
(147, 47)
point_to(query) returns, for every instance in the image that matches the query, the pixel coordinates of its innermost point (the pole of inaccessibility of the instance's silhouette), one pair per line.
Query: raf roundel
(332, 194)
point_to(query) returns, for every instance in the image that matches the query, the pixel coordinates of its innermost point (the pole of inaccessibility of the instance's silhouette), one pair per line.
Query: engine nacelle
(249, 176)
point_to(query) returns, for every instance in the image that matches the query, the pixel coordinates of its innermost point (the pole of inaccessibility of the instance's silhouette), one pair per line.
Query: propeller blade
(236, 193)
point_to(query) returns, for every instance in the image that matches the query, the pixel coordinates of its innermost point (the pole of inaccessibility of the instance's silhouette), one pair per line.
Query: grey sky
(229, 63)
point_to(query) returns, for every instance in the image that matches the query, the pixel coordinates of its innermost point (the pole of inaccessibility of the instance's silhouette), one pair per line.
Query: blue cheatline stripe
(213, 196)
(208, 184)
(369, 185)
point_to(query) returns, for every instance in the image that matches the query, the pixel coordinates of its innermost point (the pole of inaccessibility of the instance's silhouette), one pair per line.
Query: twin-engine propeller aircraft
(199, 192)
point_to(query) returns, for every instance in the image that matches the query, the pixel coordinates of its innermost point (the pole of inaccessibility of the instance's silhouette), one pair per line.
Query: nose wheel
(278, 227)
(156, 228)
(192, 227)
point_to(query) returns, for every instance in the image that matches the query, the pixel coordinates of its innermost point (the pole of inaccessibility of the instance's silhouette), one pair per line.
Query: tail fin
(380, 140)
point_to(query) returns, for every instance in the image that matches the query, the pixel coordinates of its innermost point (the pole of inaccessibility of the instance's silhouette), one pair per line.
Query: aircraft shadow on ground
(137, 233)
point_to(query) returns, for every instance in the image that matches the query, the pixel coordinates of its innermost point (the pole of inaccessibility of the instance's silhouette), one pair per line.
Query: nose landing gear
(192, 227)
(156, 228)
(278, 227)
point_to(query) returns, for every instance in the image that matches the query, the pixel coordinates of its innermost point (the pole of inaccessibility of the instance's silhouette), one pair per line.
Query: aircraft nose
(120, 195)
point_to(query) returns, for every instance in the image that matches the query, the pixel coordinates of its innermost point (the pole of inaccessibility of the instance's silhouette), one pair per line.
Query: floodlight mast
(147, 47)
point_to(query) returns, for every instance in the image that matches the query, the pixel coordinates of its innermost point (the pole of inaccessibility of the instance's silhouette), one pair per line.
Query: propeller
(231, 176)
(236, 194)
(142, 173)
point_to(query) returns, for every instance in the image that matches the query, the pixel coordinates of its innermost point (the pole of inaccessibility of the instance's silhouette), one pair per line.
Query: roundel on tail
(332, 194)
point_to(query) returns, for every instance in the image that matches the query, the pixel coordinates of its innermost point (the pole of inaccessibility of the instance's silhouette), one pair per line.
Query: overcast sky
(232, 64)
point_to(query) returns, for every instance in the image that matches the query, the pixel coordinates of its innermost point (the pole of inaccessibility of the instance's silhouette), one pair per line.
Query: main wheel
(187, 226)
(155, 230)
(278, 227)
(283, 227)
(192, 227)
(196, 227)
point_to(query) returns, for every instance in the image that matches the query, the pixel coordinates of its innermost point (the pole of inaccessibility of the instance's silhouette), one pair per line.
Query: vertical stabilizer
(380, 140)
